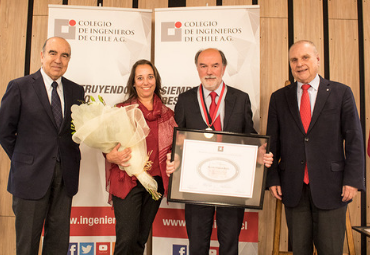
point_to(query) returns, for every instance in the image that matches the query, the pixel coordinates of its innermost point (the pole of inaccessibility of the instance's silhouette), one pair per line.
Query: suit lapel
(291, 97)
(322, 95)
(39, 87)
(230, 99)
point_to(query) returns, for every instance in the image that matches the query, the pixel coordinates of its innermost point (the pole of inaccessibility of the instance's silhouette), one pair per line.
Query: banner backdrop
(180, 33)
(105, 43)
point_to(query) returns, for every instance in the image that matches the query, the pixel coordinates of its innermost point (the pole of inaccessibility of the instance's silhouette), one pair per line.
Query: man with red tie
(313, 174)
(214, 105)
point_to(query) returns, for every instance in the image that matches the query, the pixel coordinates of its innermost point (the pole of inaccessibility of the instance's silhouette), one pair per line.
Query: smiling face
(210, 68)
(144, 82)
(55, 57)
(304, 61)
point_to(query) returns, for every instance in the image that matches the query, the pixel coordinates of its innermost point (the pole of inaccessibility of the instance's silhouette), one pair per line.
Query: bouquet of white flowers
(102, 127)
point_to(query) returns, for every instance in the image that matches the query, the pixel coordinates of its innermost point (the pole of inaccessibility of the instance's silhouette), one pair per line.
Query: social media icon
(87, 248)
(179, 249)
(213, 251)
(72, 250)
(103, 248)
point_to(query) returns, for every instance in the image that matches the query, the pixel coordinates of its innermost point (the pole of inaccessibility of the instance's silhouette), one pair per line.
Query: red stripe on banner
(249, 231)
(171, 223)
(92, 221)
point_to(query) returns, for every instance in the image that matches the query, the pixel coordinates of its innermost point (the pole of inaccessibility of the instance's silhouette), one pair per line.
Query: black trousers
(55, 209)
(199, 223)
(134, 217)
(310, 225)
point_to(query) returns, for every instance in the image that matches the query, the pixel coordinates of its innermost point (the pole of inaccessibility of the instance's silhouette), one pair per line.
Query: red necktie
(305, 111)
(212, 109)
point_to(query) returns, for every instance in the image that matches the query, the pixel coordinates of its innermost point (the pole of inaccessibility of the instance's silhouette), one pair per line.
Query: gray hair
(224, 61)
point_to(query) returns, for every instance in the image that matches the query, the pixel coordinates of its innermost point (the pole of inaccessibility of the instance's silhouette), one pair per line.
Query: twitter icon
(87, 248)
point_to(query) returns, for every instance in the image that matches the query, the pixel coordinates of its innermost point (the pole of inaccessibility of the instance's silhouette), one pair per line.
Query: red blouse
(119, 183)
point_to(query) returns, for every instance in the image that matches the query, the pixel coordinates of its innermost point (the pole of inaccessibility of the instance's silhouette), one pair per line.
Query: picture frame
(218, 168)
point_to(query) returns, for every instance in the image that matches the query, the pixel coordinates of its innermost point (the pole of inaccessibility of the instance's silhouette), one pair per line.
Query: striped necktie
(56, 105)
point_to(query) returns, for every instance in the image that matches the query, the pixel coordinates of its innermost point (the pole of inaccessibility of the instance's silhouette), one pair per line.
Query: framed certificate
(363, 230)
(218, 168)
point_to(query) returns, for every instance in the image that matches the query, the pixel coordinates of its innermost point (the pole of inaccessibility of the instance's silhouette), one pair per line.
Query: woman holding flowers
(134, 206)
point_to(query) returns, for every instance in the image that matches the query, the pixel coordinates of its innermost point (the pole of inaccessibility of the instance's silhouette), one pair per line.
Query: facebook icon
(72, 250)
(179, 249)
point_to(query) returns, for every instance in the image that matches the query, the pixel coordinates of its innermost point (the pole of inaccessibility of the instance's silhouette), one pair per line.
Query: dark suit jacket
(237, 118)
(330, 166)
(238, 114)
(29, 136)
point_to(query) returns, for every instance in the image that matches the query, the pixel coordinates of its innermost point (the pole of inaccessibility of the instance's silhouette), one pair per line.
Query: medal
(203, 106)
(205, 113)
(208, 135)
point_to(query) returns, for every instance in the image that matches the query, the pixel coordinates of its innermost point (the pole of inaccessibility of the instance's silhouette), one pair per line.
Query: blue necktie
(56, 106)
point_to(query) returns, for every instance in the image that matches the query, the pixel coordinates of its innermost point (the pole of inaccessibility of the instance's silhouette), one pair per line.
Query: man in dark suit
(45, 161)
(233, 115)
(313, 173)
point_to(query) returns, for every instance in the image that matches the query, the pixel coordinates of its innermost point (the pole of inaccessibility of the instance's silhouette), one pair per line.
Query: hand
(172, 166)
(268, 159)
(276, 192)
(119, 157)
(348, 193)
(264, 158)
